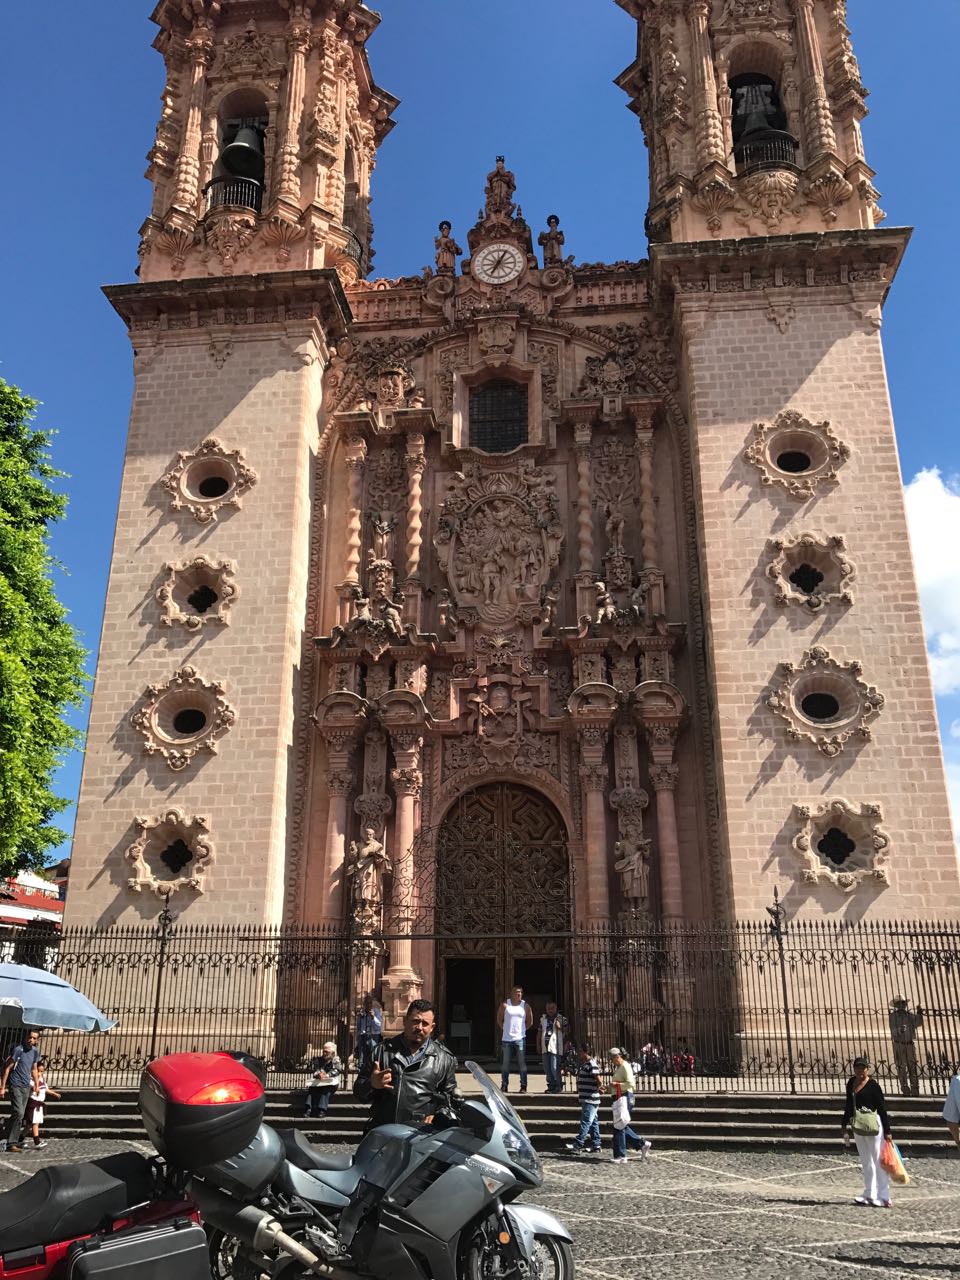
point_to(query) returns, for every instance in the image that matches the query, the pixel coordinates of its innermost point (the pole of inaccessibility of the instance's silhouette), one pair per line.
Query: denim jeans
(551, 1066)
(623, 1136)
(588, 1134)
(511, 1049)
(318, 1098)
(18, 1105)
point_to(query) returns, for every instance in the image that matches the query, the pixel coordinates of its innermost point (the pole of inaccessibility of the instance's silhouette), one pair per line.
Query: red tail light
(227, 1091)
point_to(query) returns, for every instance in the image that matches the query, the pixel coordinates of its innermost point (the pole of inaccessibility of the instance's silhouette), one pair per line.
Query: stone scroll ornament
(499, 538)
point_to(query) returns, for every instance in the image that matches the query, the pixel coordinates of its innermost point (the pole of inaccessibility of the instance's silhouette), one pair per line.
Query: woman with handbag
(622, 1087)
(865, 1116)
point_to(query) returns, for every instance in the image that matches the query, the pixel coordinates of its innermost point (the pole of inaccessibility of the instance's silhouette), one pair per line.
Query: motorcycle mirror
(476, 1117)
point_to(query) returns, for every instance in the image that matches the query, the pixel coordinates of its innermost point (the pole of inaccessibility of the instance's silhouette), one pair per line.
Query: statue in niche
(367, 864)
(614, 529)
(638, 600)
(446, 611)
(633, 863)
(392, 617)
(606, 605)
(384, 535)
(447, 250)
(549, 600)
(552, 242)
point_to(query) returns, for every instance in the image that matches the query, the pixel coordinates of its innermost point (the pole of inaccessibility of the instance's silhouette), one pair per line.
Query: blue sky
(529, 78)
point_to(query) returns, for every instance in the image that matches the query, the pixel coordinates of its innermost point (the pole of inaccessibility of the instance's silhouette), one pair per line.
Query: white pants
(876, 1182)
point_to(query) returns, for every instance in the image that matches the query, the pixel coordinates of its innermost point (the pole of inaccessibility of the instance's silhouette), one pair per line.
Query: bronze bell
(243, 158)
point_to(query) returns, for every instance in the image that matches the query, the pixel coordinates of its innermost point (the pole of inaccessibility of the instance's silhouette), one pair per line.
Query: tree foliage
(41, 661)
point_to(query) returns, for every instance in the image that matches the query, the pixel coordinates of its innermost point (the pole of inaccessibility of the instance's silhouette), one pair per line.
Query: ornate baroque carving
(195, 592)
(841, 844)
(208, 479)
(798, 455)
(172, 843)
(825, 701)
(183, 717)
(810, 569)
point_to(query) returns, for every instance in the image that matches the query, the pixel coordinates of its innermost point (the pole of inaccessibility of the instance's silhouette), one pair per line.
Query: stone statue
(392, 617)
(501, 185)
(392, 387)
(638, 599)
(614, 529)
(384, 535)
(446, 611)
(633, 863)
(549, 599)
(447, 250)
(606, 605)
(552, 242)
(361, 607)
(367, 864)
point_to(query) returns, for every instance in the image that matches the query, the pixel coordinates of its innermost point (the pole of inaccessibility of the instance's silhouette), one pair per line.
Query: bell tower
(751, 111)
(259, 218)
(267, 139)
(766, 250)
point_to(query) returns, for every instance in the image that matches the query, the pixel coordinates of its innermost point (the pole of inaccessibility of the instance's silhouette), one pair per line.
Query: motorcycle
(412, 1201)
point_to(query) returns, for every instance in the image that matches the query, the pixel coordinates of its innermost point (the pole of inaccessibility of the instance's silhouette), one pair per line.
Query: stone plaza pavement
(724, 1216)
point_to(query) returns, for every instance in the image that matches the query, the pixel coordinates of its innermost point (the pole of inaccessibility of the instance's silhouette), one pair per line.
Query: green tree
(41, 661)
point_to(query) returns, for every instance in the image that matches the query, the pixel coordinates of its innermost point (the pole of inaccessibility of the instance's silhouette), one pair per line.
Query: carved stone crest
(499, 537)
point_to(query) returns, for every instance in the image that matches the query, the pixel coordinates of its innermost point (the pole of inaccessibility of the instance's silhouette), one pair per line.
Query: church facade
(525, 593)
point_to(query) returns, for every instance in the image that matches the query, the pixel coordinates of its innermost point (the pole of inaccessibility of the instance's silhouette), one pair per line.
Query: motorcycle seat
(69, 1200)
(304, 1156)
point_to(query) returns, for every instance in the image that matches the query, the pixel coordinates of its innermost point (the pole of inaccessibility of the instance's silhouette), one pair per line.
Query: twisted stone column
(820, 135)
(186, 180)
(298, 43)
(648, 506)
(356, 461)
(709, 126)
(416, 462)
(663, 778)
(582, 436)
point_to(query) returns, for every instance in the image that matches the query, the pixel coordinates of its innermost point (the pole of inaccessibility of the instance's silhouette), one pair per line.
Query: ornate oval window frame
(791, 432)
(210, 460)
(857, 702)
(184, 691)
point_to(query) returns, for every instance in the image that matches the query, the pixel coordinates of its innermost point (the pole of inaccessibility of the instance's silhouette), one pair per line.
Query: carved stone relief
(171, 852)
(183, 717)
(208, 479)
(196, 592)
(498, 540)
(824, 701)
(800, 456)
(811, 570)
(841, 844)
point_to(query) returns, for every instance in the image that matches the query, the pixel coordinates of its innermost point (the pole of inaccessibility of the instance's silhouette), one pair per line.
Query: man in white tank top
(515, 1018)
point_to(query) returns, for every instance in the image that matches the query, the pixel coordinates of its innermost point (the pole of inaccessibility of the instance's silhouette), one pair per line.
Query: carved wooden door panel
(502, 866)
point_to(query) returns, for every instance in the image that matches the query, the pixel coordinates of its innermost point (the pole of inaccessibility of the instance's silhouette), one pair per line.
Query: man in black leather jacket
(412, 1078)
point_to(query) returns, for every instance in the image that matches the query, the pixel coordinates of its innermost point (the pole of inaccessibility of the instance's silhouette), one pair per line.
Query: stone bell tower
(261, 178)
(763, 222)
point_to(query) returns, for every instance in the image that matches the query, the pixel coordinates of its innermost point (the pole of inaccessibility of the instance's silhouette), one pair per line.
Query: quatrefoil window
(170, 852)
(197, 592)
(841, 844)
(811, 570)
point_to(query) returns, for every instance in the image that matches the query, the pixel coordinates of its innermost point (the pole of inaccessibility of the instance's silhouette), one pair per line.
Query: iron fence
(757, 1005)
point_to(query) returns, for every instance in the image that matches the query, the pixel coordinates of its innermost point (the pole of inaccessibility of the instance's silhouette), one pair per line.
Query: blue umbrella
(35, 998)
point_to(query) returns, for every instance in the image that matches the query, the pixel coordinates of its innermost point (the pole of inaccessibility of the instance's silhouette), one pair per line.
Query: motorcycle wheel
(552, 1260)
(223, 1250)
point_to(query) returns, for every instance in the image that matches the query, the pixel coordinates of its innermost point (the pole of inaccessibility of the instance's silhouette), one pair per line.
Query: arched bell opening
(502, 897)
(239, 171)
(759, 122)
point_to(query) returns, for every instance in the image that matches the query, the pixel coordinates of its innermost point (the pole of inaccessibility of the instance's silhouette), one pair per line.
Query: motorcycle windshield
(497, 1103)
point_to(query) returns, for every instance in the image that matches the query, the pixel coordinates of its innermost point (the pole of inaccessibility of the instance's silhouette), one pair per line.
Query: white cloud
(933, 513)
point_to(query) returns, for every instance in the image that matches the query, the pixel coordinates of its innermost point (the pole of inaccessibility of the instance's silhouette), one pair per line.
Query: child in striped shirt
(588, 1091)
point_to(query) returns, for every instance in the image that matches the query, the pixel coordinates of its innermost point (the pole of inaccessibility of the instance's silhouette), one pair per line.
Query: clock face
(497, 264)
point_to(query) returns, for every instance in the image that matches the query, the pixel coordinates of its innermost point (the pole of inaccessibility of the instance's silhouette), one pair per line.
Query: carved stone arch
(659, 699)
(403, 707)
(446, 796)
(593, 700)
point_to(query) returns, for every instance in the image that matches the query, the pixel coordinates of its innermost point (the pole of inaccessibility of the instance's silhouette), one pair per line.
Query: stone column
(594, 780)
(287, 184)
(416, 462)
(186, 181)
(401, 983)
(820, 136)
(583, 433)
(709, 126)
(339, 781)
(356, 461)
(663, 778)
(648, 506)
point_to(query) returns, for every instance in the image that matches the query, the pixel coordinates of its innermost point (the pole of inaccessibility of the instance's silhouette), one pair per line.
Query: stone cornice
(805, 260)
(274, 297)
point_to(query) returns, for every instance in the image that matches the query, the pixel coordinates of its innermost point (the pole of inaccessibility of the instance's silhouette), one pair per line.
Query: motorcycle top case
(174, 1251)
(198, 1108)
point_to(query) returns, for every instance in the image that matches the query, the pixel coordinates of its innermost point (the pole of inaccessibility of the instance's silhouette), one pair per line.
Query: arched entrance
(502, 908)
